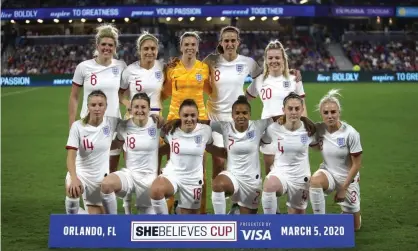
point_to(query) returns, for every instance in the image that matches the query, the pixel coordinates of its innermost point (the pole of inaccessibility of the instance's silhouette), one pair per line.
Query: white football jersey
(137, 79)
(243, 147)
(93, 76)
(187, 149)
(272, 92)
(141, 145)
(292, 151)
(93, 147)
(228, 80)
(337, 148)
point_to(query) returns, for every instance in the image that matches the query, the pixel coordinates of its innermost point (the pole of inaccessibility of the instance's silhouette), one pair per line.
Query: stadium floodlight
(208, 19)
(27, 21)
(222, 18)
(168, 19)
(252, 18)
(113, 20)
(40, 21)
(180, 19)
(303, 1)
(263, 18)
(70, 21)
(56, 20)
(126, 19)
(99, 20)
(12, 21)
(192, 19)
(83, 20)
(275, 18)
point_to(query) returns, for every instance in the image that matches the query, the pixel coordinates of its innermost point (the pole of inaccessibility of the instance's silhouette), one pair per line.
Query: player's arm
(75, 188)
(217, 151)
(73, 102)
(166, 91)
(164, 149)
(252, 92)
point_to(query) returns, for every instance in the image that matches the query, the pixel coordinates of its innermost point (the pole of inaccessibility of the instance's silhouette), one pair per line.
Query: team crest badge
(341, 142)
(152, 131)
(240, 68)
(198, 139)
(158, 75)
(106, 130)
(304, 139)
(115, 70)
(251, 134)
(199, 77)
(286, 84)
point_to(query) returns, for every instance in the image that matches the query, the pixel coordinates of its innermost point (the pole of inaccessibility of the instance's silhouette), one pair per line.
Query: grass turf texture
(35, 131)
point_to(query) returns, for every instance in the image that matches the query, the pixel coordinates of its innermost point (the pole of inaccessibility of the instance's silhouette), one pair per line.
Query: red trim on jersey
(71, 147)
(302, 96)
(123, 89)
(249, 94)
(74, 83)
(265, 143)
(314, 144)
(356, 154)
(121, 140)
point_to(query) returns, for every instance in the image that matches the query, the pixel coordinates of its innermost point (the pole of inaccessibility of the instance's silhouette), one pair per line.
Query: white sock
(72, 205)
(160, 206)
(219, 202)
(127, 204)
(82, 211)
(269, 202)
(317, 199)
(146, 210)
(109, 203)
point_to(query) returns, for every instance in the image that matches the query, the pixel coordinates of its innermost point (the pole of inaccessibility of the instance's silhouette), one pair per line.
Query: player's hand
(76, 189)
(281, 120)
(340, 195)
(297, 74)
(173, 62)
(159, 120)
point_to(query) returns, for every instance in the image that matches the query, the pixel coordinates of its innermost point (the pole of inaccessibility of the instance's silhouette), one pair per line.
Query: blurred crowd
(391, 56)
(303, 52)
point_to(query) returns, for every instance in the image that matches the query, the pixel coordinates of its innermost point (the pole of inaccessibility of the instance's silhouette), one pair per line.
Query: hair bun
(242, 98)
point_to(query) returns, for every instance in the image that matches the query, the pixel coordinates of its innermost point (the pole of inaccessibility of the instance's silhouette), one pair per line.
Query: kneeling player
(341, 151)
(141, 138)
(184, 170)
(291, 171)
(88, 155)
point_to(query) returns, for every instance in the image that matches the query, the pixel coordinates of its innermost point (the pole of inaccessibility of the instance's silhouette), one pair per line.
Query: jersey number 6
(93, 79)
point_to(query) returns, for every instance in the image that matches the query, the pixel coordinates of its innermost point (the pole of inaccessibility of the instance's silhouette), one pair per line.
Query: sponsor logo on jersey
(341, 141)
(251, 134)
(106, 130)
(286, 84)
(304, 138)
(198, 139)
(158, 75)
(240, 68)
(152, 131)
(115, 70)
(199, 77)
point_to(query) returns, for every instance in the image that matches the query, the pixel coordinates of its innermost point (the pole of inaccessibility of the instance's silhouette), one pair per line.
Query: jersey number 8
(217, 75)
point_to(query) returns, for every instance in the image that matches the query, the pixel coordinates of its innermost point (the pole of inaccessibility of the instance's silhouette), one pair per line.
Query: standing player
(141, 138)
(291, 171)
(88, 149)
(143, 76)
(272, 87)
(242, 179)
(341, 151)
(187, 79)
(184, 170)
(102, 72)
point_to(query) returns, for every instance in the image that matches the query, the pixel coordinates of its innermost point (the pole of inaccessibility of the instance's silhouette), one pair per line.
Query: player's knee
(107, 185)
(316, 181)
(218, 185)
(157, 190)
(269, 186)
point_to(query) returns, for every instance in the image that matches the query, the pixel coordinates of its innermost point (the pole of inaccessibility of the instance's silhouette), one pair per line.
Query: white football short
(137, 183)
(351, 203)
(268, 149)
(246, 194)
(190, 189)
(297, 190)
(91, 195)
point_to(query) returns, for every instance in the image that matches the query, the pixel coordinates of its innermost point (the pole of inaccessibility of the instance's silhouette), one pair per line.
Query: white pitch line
(21, 92)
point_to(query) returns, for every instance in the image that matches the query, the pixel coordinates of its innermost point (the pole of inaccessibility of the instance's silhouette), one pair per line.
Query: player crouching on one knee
(291, 171)
(183, 173)
(88, 148)
(140, 134)
(341, 151)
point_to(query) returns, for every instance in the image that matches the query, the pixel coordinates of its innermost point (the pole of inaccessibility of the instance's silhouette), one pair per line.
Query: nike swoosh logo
(86, 135)
(174, 138)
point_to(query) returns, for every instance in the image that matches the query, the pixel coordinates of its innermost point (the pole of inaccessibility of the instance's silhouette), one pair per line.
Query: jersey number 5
(138, 85)
(93, 79)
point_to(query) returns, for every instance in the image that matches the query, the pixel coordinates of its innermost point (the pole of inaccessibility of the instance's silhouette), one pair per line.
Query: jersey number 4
(279, 147)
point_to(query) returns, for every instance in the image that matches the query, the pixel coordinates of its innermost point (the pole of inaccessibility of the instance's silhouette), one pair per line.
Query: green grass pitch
(35, 130)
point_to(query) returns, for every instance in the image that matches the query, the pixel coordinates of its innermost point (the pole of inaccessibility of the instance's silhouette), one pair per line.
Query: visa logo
(256, 235)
